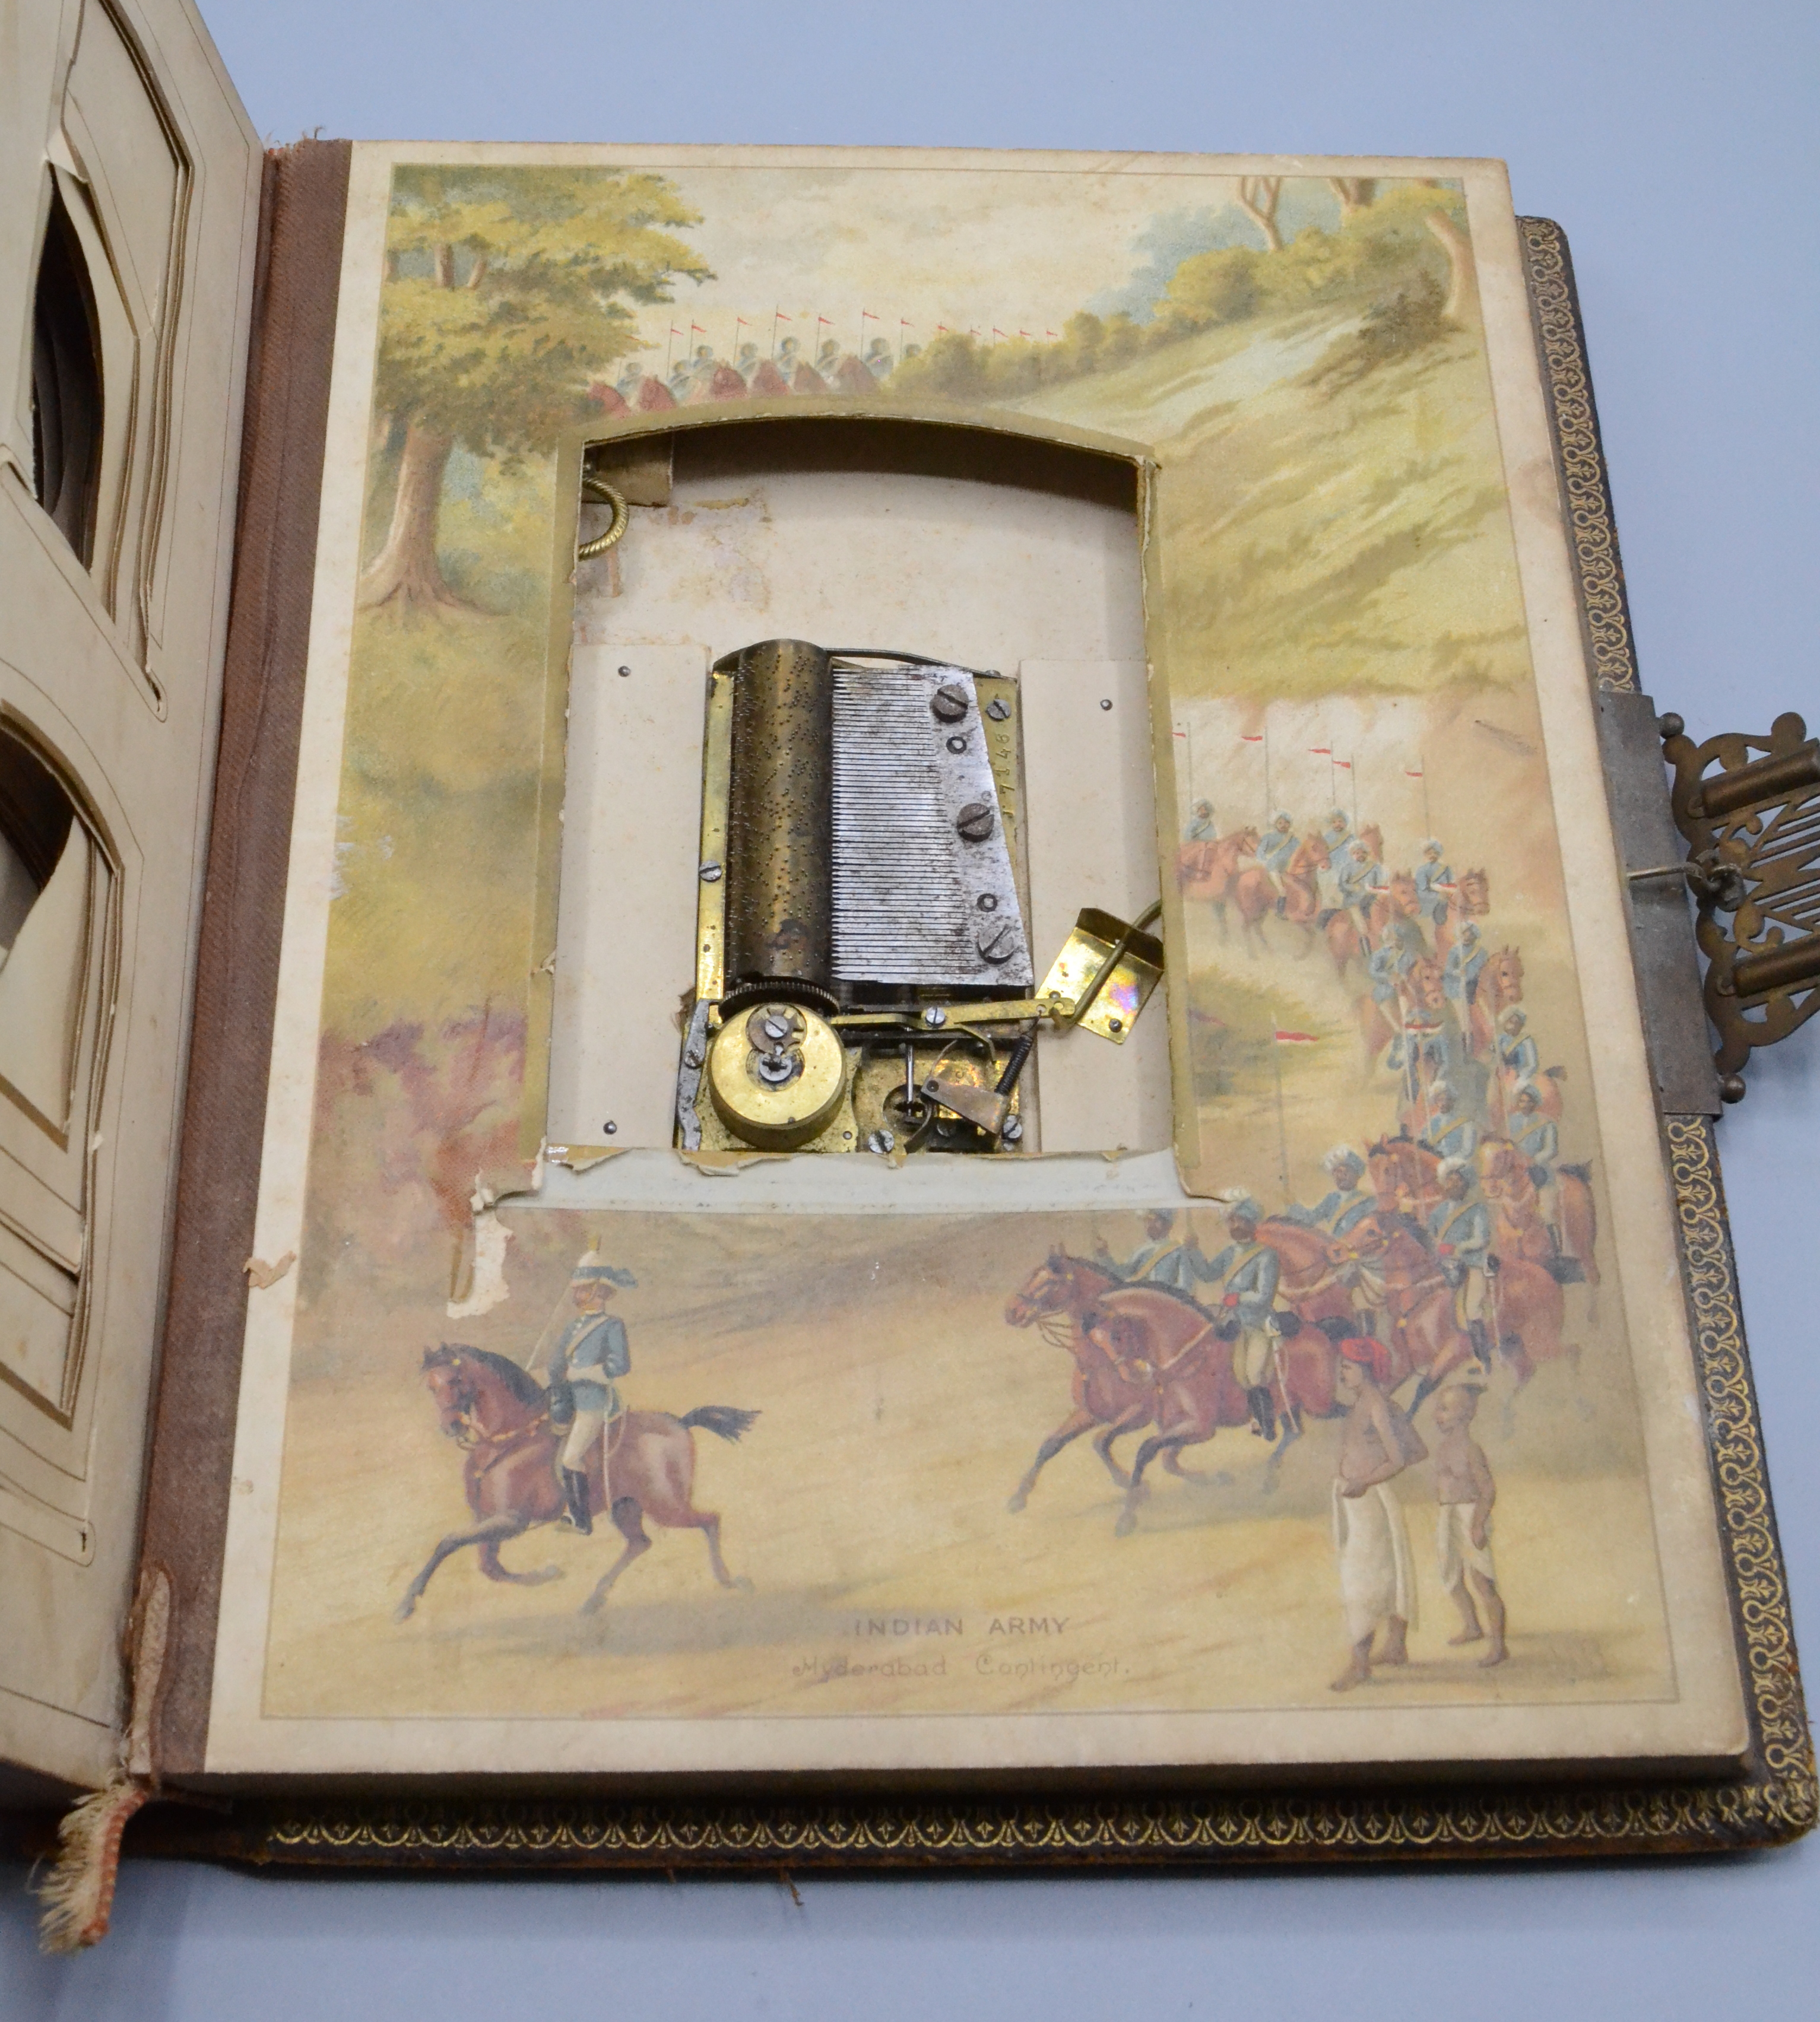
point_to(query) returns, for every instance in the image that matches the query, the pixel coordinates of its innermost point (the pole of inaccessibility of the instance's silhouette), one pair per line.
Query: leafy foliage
(1384, 246)
(509, 289)
(1391, 329)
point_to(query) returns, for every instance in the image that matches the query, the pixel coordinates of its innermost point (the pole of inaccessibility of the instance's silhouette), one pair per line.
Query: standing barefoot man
(1377, 1573)
(1465, 1491)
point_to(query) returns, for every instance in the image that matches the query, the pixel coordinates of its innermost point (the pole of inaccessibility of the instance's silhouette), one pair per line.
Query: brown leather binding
(303, 206)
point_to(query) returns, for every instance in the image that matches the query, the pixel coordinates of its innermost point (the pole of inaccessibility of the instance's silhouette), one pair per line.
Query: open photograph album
(824, 1023)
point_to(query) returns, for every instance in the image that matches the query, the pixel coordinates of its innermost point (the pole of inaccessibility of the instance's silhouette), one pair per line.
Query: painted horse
(1206, 870)
(499, 1415)
(1470, 899)
(1164, 1350)
(1524, 1308)
(1055, 1301)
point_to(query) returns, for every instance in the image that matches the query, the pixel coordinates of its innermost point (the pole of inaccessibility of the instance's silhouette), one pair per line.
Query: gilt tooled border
(1605, 611)
(1775, 1799)
(1760, 1589)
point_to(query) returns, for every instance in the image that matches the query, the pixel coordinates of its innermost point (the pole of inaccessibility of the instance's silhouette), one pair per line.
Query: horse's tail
(726, 1421)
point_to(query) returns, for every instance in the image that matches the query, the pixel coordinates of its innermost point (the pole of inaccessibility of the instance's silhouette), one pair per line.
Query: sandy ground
(867, 1508)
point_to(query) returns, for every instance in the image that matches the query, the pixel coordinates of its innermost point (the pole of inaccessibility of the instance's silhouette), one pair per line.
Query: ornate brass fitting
(1752, 826)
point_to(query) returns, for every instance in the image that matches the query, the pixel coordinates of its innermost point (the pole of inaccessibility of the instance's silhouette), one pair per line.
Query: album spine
(302, 211)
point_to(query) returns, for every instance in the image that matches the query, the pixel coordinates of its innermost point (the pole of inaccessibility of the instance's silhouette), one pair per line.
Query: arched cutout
(67, 397)
(991, 543)
(47, 906)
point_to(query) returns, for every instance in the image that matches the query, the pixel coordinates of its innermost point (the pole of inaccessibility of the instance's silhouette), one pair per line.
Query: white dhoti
(1377, 1569)
(1453, 1546)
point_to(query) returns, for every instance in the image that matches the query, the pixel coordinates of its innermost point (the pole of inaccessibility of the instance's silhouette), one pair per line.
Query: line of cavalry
(1474, 1158)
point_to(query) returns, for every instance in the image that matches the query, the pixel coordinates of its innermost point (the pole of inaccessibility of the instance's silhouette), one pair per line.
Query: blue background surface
(1680, 147)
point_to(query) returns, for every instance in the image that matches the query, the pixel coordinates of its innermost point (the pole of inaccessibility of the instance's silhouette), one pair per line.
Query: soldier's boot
(1263, 1412)
(1481, 1341)
(575, 1489)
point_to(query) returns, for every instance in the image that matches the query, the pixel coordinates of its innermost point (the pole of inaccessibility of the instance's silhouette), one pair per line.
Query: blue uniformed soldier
(1248, 1271)
(590, 1355)
(1459, 1227)
(1362, 882)
(1340, 1211)
(1446, 1131)
(1281, 842)
(1336, 838)
(1517, 1052)
(1434, 884)
(1466, 957)
(1535, 1136)
(1164, 1258)
(1200, 825)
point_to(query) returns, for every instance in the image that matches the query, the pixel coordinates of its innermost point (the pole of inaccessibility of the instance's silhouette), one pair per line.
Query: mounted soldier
(590, 1357)
(1434, 884)
(1459, 1227)
(1248, 1270)
(1538, 1142)
(1446, 1131)
(1201, 826)
(1336, 840)
(1465, 959)
(1342, 1210)
(1279, 843)
(1164, 1259)
(1341, 1214)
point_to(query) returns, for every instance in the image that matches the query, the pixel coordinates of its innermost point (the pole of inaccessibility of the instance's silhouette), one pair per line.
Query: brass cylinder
(780, 818)
(1780, 968)
(1756, 785)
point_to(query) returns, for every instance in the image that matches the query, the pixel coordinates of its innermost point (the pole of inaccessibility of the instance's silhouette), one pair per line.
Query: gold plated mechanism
(864, 979)
(776, 1075)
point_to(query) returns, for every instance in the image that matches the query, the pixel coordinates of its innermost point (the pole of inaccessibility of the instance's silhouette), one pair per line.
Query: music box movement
(864, 980)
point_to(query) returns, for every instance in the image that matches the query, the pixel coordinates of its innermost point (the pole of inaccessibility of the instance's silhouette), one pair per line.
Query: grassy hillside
(1321, 535)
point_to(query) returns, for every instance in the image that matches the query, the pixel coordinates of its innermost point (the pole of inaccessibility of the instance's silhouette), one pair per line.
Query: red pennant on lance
(1344, 764)
(1319, 751)
(1257, 739)
(1294, 1039)
(1408, 774)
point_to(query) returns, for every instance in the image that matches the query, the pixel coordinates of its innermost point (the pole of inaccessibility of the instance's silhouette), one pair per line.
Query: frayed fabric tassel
(78, 1894)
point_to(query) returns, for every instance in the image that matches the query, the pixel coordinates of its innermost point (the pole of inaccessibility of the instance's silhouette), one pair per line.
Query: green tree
(506, 290)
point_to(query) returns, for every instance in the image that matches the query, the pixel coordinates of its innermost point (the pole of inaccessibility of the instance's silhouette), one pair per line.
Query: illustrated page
(1361, 1427)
